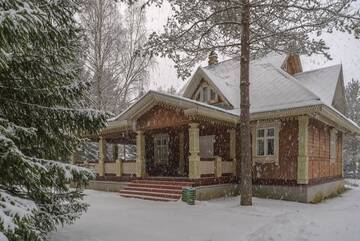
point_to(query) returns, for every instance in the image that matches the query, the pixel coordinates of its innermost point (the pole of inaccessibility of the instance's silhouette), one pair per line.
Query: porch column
(140, 154)
(118, 167)
(232, 133)
(303, 158)
(194, 149)
(102, 156)
(181, 153)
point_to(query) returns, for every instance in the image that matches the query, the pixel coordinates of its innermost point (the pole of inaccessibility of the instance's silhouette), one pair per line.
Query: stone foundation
(215, 191)
(299, 193)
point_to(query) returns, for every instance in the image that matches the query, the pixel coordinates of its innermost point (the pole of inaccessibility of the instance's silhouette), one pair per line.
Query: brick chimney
(213, 58)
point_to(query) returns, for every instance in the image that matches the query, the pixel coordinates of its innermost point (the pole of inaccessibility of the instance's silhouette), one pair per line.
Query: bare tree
(114, 60)
(249, 28)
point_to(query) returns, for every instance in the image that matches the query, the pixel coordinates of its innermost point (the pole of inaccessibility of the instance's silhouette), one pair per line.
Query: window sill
(266, 160)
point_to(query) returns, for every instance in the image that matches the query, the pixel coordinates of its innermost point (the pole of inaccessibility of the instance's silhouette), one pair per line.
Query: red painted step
(155, 186)
(158, 182)
(173, 191)
(157, 190)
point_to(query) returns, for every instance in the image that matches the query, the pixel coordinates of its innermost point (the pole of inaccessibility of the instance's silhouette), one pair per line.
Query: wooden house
(192, 139)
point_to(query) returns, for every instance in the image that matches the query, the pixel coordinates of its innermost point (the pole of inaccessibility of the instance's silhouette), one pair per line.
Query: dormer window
(206, 94)
(212, 95)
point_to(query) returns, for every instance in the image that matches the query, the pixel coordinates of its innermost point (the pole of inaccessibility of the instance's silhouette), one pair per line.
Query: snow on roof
(270, 87)
(322, 81)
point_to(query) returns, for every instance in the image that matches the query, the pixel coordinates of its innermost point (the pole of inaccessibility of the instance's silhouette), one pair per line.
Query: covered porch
(172, 142)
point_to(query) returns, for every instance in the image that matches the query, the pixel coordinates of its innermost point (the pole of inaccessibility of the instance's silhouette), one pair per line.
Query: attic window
(206, 94)
(198, 96)
(212, 95)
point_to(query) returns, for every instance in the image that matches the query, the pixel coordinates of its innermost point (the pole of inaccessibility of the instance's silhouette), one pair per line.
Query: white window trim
(333, 141)
(162, 147)
(201, 93)
(266, 158)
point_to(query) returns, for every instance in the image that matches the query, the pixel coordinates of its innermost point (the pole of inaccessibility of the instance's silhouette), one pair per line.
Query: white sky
(344, 48)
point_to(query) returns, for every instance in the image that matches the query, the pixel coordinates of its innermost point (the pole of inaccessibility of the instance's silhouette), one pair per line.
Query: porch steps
(156, 190)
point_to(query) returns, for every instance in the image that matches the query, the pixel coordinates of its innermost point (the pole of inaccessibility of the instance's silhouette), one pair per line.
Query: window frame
(265, 139)
(274, 158)
(205, 93)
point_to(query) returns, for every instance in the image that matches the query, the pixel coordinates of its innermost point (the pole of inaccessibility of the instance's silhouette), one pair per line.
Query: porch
(196, 151)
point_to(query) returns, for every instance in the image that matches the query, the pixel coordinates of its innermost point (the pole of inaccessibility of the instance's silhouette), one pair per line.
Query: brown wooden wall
(286, 171)
(161, 117)
(320, 166)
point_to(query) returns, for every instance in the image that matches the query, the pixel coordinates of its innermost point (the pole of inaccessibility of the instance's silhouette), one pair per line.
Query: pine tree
(200, 26)
(41, 117)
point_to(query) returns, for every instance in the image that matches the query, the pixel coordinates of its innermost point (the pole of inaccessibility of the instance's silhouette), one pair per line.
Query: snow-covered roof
(322, 82)
(271, 88)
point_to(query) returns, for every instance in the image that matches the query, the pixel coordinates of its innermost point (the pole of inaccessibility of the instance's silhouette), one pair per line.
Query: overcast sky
(344, 48)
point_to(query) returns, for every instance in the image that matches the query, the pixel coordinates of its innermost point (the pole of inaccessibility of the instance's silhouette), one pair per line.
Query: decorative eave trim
(339, 120)
(201, 114)
(285, 113)
(123, 125)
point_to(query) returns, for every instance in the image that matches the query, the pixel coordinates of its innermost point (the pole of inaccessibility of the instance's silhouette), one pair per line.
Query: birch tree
(249, 29)
(115, 63)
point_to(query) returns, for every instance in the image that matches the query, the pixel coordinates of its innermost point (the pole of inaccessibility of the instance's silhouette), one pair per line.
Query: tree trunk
(245, 158)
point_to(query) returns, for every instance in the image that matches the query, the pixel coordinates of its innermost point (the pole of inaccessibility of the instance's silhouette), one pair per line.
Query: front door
(161, 155)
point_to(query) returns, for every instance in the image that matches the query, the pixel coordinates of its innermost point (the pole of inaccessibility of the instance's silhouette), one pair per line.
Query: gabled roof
(273, 93)
(322, 82)
(271, 88)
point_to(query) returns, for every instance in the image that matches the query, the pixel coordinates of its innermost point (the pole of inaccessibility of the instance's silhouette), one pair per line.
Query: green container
(189, 195)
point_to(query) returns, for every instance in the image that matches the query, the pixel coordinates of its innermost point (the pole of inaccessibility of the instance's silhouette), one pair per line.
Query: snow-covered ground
(113, 218)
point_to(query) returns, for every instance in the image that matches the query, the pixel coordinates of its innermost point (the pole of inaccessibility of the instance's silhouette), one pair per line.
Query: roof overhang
(199, 111)
(193, 109)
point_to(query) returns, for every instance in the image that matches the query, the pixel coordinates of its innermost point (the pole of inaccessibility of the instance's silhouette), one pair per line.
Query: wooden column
(118, 166)
(140, 154)
(303, 158)
(102, 156)
(218, 166)
(194, 149)
(181, 153)
(232, 133)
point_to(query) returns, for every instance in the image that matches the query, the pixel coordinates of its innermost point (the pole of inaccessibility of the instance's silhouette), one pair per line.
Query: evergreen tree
(40, 117)
(352, 143)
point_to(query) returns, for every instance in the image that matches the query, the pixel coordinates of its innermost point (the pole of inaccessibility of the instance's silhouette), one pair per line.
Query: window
(212, 95)
(198, 96)
(265, 142)
(207, 146)
(205, 94)
(333, 138)
(161, 147)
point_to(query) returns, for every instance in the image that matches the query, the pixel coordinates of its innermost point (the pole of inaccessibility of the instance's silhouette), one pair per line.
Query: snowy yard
(112, 218)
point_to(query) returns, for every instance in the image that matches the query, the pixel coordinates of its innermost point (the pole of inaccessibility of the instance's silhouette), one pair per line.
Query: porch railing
(118, 168)
(216, 166)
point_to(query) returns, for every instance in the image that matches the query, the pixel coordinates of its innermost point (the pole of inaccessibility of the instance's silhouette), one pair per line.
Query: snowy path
(113, 218)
